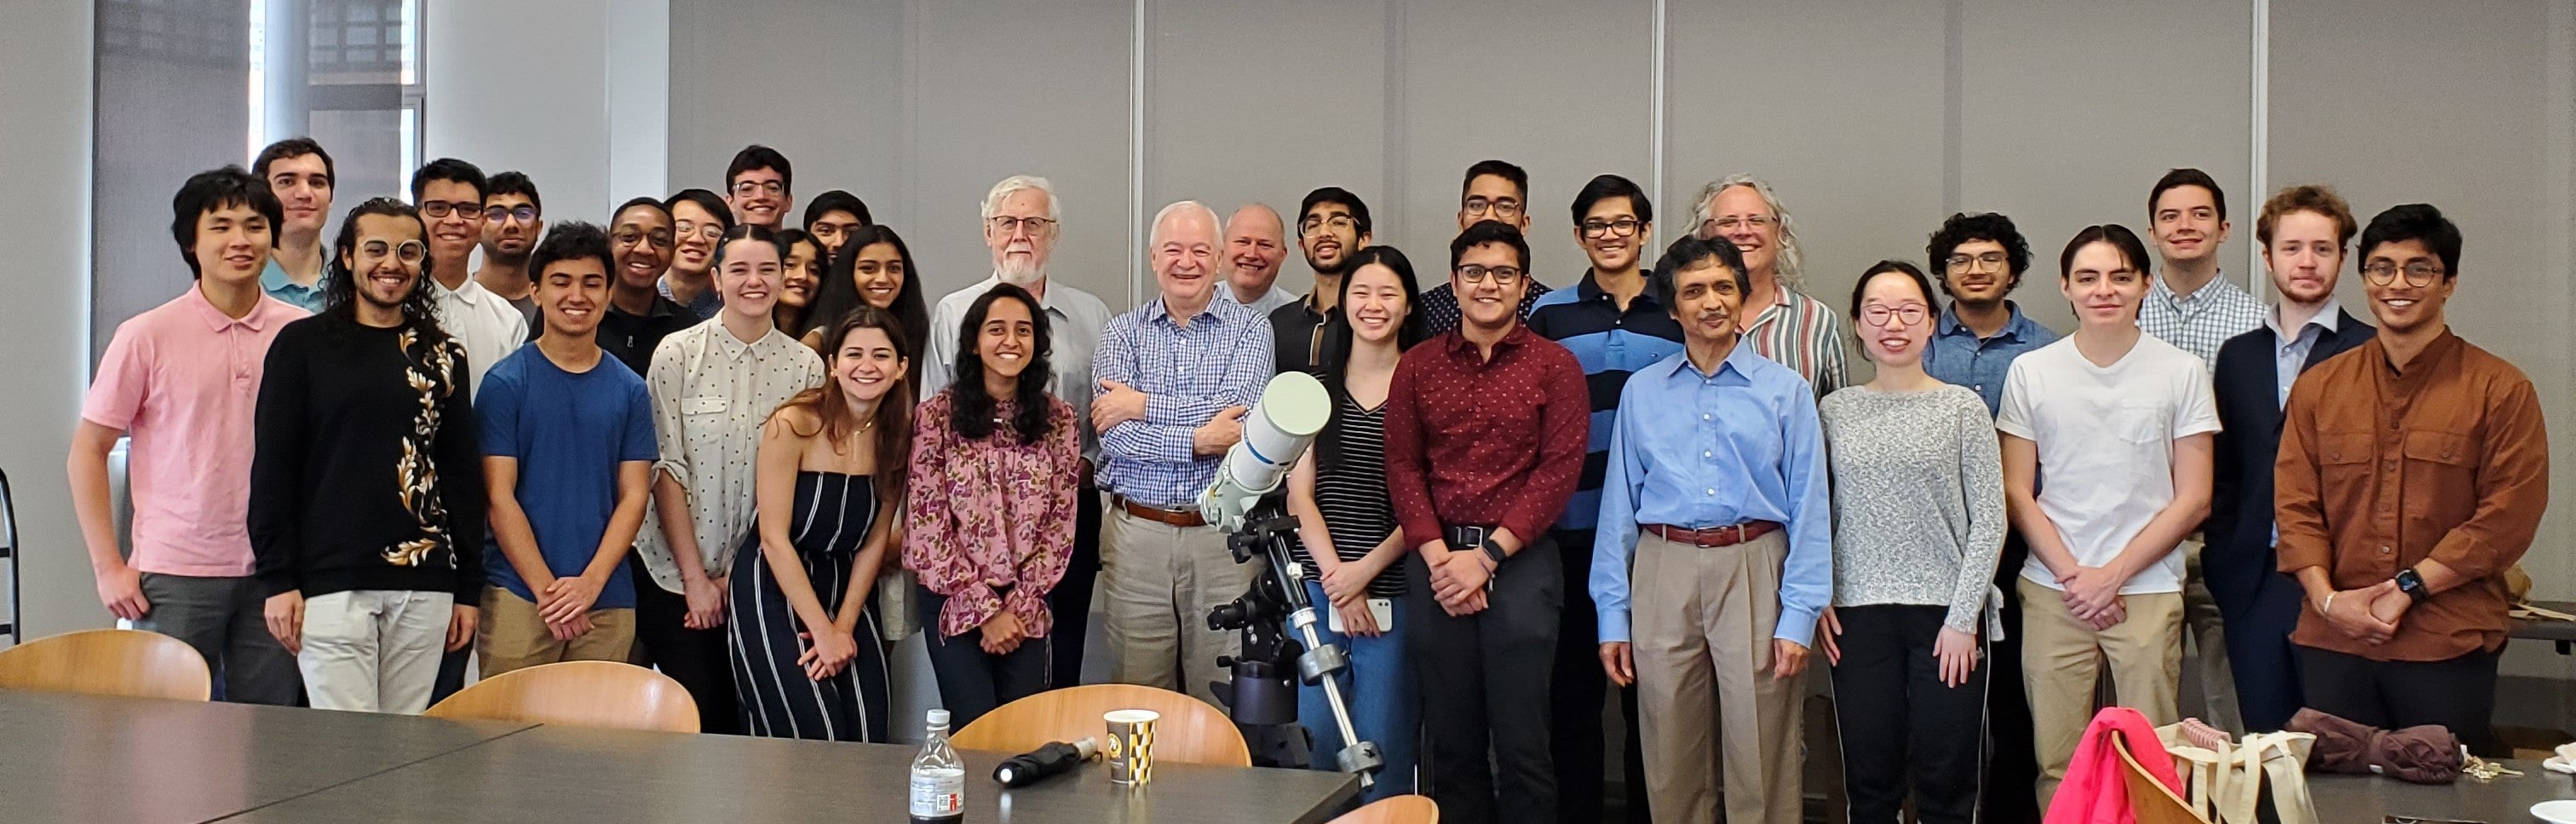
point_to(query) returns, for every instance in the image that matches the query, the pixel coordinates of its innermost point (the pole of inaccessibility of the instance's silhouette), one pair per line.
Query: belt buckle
(1475, 535)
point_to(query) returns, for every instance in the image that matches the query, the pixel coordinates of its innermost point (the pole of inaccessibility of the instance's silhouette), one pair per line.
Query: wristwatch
(2413, 585)
(1495, 552)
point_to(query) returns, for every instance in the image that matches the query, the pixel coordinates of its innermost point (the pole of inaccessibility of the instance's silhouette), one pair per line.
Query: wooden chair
(1396, 809)
(2151, 800)
(1190, 731)
(122, 662)
(578, 694)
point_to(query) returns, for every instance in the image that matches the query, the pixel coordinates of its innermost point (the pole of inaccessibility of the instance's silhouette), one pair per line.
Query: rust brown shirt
(2380, 469)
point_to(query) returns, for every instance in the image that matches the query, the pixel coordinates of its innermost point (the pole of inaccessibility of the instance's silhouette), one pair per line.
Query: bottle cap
(939, 718)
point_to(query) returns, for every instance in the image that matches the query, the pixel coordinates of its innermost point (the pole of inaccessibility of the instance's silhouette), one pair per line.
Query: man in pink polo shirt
(181, 379)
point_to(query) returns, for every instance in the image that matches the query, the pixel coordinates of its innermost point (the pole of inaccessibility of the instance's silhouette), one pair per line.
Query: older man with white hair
(1175, 378)
(1256, 242)
(1780, 322)
(1020, 227)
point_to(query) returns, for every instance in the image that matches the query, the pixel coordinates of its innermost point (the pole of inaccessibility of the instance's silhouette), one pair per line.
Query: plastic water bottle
(938, 777)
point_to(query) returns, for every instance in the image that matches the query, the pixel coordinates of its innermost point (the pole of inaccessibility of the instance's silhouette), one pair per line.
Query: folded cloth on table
(2426, 754)
(2564, 761)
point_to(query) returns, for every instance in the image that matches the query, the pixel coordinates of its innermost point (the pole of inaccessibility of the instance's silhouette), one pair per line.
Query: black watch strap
(2412, 583)
(1495, 551)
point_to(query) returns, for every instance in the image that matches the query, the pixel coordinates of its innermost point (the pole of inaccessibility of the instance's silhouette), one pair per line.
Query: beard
(1019, 272)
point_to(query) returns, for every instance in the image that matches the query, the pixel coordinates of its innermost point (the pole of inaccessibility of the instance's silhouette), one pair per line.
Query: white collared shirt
(711, 392)
(1075, 320)
(488, 326)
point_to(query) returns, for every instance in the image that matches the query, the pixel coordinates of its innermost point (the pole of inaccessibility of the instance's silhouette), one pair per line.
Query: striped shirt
(1188, 374)
(1350, 489)
(1440, 307)
(1610, 343)
(1800, 333)
(2202, 321)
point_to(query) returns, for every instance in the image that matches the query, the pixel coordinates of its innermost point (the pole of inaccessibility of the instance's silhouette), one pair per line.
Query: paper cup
(1130, 745)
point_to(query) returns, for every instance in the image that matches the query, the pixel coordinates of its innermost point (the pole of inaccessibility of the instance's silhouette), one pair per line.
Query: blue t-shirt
(569, 432)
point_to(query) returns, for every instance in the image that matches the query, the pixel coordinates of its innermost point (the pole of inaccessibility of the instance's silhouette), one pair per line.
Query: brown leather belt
(1183, 518)
(1716, 536)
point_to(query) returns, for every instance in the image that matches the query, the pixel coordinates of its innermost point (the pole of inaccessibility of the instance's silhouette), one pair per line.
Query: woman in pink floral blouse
(995, 465)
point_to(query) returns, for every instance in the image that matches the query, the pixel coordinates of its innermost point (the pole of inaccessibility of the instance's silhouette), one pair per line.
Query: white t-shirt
(2105, 437)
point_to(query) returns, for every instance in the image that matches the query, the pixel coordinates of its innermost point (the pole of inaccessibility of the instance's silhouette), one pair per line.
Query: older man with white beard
(1020, 227)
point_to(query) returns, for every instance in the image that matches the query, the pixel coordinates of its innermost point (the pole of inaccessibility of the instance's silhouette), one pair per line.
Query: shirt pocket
(2139, 422)
(2344, 461)
(2441, 476)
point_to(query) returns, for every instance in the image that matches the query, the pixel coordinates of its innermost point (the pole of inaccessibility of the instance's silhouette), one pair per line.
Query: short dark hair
(2112, 233)
(1335, 195)
(1490, 231)
(451, 170)
(1921, 281)
(293, 147)
(630, 203)
(707, 200)
(1498, 168)
(1962, 228)
(756, 156)
(2308, 198)
(2418, 222)
(214, 189)
(1606, 187)
(2186, 176)
(1686, 253)
(836, 200)
(515, 183)
(570, 240)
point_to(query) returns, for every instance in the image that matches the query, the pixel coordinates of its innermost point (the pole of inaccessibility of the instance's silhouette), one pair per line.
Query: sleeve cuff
(1797, 626)
(1614, 625)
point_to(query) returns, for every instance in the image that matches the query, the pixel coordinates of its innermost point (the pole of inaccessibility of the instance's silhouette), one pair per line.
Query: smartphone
(1381, 610)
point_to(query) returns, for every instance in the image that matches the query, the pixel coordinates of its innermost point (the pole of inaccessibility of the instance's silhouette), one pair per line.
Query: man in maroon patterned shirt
(1485, 432)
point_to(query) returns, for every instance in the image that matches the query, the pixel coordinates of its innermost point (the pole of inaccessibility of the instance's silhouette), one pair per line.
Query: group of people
(754, 455)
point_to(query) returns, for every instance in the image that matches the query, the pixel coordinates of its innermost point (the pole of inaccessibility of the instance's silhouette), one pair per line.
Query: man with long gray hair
(1780, 321)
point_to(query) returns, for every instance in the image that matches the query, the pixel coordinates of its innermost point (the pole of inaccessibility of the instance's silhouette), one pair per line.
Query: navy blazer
(2239, 530)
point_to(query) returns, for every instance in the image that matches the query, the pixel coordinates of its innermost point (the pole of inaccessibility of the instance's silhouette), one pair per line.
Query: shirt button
(1708, 454)
(2383, 549)
(1712, 491)
(1703, 416)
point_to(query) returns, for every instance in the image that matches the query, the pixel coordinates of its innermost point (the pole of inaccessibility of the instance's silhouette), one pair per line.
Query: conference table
(2370, 799)
(77, 759)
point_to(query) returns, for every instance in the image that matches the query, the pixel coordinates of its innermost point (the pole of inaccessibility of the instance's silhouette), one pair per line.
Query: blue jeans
(1378, 688)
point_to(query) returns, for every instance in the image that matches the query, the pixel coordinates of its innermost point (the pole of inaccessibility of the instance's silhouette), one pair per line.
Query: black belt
(1468, 537)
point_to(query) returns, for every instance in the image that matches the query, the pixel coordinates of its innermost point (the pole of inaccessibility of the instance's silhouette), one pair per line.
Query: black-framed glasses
(2419, 274)
(1879, 314)
(1337, 223)
(1502, 275)
(660, 238)
(748, 188)
(1623, 227)
(1008, 225)
(1503, 208)
(409, 251)
(443, 208)
(496, 214)
(1990, 261)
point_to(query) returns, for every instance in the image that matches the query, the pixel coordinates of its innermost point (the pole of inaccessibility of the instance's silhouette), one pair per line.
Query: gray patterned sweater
(1918, 499)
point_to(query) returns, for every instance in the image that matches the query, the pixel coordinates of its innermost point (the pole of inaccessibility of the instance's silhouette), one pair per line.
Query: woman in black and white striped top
(1338, 493)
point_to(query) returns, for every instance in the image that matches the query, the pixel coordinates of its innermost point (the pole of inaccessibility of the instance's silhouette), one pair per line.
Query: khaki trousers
(1701, 624)
(1159, 581)
(513, 636)
(2062, 659)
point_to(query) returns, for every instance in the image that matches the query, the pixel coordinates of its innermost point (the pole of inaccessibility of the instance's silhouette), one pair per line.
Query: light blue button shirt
(1957, 356)
(1697, 451)
(274, 281)
(2290, 355)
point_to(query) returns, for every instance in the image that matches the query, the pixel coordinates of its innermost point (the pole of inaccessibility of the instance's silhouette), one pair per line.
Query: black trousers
(2458, 694)
(1575, 697)
(697, 658)
(1485, 682)
(1899, 724)
(2012, 762)
(973, 682)
(2260, 609)
(1071, 598)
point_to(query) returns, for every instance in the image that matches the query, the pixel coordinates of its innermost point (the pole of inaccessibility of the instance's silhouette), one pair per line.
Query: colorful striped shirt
(1611, 344)
(1188, 374)
(1800, 333)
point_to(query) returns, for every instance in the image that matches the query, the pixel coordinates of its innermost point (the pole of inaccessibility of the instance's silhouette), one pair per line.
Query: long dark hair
(840, 290)
(340, 282)
(970, 407)
(893, 423)
(1339, 341)
(802, 319)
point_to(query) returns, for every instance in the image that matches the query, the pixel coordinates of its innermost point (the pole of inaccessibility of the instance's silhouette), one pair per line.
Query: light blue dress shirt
(1958, 357)
(274, 281)
(1696, 451)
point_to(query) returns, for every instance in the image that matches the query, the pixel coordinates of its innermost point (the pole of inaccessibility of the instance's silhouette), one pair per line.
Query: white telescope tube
(1275, 433)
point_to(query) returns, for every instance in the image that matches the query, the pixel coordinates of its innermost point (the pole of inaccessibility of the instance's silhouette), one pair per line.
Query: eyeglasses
(748, 188)
(1502, 275)
(660, 239)
(443, 208)
(1502, 209)
(1012, 225)
(1729, 224)
(1337, 223)
(410, 251)
(1623, 227)
(496, 214)
(1970, 263)
(1880, 314)
(710, 231)
(2419, 274)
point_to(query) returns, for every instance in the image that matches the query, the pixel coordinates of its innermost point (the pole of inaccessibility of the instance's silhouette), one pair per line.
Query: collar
(2016, 325)
(729, 347)
(1589, 289)
(471, 293)
(274, 278)
(215, 318)
(1738, 360)
(1157, 310)
(1455, 341)
(2329, 318)
(1046, 301)
(2216, 287)
(2441, 349)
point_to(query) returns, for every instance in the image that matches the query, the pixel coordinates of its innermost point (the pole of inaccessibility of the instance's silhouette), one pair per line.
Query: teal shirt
(275, 282)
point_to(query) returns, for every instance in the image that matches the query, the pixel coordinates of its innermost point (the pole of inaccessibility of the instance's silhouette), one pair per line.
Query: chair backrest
(579, 694)
(2149, 799)
(1190, 731)
(125, 662)
(1395, 809)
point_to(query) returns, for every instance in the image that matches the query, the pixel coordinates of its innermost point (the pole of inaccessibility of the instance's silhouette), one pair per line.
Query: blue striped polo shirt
(1610, 344)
